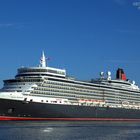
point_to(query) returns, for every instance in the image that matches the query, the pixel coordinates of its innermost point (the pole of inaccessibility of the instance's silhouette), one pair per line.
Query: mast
(43, 60)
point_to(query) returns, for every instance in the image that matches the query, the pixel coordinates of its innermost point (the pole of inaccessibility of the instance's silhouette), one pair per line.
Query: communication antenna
(102, 75)
(43, 60)
(133, 82)
(108, 75)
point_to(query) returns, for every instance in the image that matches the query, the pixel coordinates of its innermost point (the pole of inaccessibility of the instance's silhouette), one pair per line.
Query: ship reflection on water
(69, 130)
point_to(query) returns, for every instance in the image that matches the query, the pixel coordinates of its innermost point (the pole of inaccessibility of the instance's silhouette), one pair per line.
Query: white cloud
(11, 25)
(136, 4)
(6, 25)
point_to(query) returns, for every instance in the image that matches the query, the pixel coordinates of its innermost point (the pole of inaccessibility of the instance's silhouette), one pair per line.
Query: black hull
(36, 111)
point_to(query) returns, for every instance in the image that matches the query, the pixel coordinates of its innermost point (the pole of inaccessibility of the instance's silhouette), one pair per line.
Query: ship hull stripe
(7, 118)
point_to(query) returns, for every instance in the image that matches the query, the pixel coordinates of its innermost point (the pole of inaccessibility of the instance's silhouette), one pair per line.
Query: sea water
(57, 130)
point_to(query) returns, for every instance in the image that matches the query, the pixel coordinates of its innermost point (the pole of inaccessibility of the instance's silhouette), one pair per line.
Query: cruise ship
(47, 93)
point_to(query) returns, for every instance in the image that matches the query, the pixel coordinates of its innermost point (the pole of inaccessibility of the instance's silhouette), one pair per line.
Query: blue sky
(82, 36)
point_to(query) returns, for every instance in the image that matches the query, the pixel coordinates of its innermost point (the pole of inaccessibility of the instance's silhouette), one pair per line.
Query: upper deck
(40, 71)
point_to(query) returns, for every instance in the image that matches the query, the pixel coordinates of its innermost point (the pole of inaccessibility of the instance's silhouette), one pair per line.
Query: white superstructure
(51, 85)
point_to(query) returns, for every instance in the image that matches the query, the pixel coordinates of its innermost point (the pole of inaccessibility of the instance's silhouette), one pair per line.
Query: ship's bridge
(41, 71)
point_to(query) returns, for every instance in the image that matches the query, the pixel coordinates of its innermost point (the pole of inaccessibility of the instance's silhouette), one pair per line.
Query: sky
(84, 37)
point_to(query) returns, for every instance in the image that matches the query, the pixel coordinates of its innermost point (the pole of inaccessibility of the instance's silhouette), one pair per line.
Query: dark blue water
(69, 131)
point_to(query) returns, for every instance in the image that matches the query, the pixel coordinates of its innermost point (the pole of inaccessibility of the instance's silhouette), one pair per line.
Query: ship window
(31, 100)
(41, 100)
